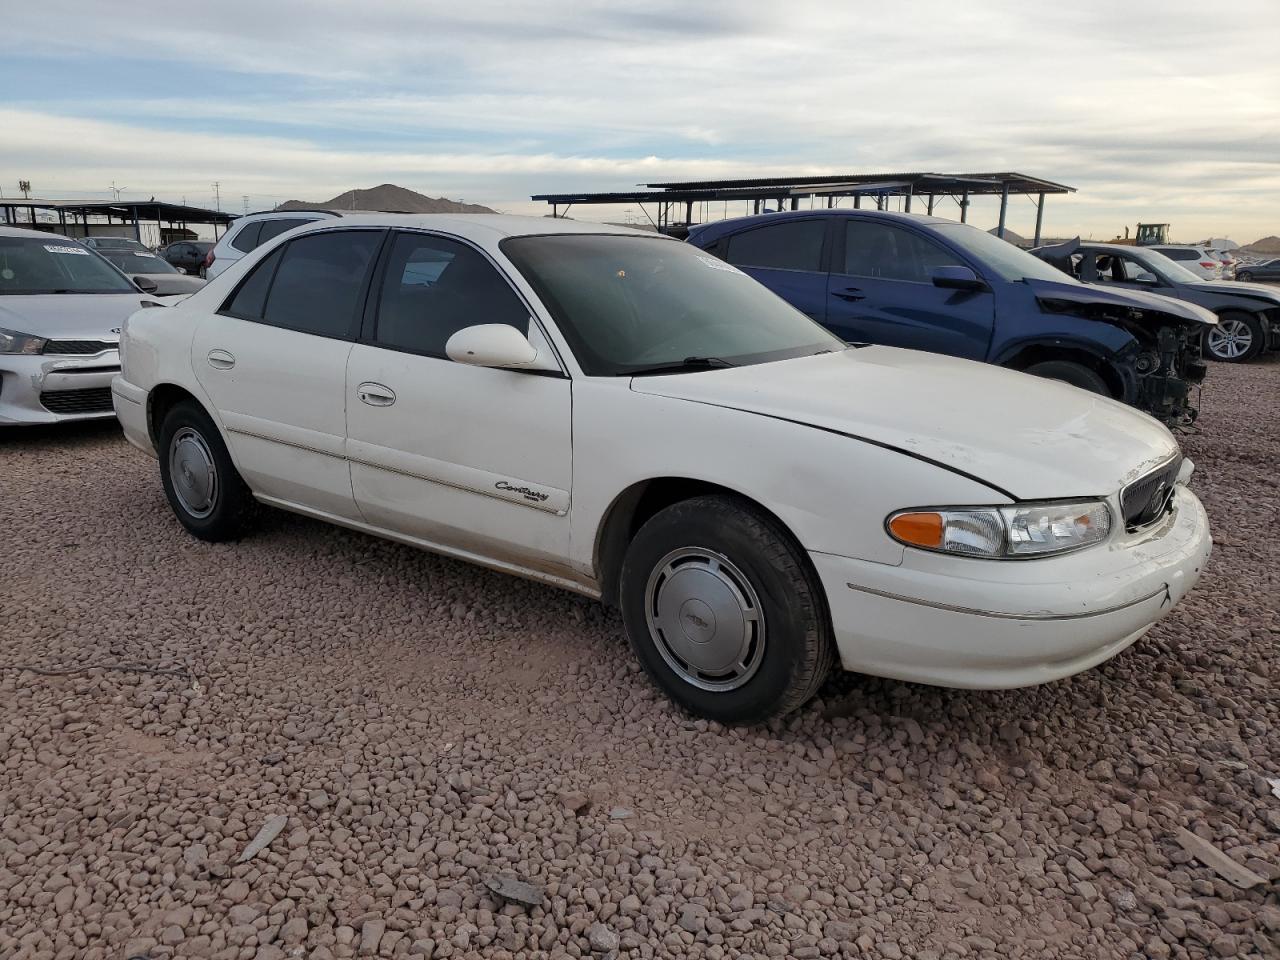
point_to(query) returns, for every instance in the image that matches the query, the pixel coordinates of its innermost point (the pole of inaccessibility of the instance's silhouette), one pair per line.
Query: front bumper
(986, 624)
(131, 410)
(54, 389)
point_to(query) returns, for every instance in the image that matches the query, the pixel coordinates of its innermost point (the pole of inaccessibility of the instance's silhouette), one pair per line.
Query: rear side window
(433, 287)
(250, 299)
(318, 285)
(793, 245)
(888, 252)
(247, 239)
(273, 228)
(1180, 254)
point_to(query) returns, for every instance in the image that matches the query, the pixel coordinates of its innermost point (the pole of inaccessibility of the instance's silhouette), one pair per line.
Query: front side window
(630, 304)
(789, 245)
(56, 265)
(318, 285)
(885, 251)
(433, 287)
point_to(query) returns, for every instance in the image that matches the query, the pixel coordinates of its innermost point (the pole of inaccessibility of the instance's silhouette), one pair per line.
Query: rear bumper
(42, 389)
(959, 622)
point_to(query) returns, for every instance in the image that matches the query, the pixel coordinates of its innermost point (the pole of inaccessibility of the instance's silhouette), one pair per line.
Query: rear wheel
(201, 483)
(1237, 337)
(1076, 374)
(1245, 277)
(724, 611)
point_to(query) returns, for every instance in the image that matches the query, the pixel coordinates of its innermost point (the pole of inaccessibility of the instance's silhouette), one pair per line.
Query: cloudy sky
(1156, 110)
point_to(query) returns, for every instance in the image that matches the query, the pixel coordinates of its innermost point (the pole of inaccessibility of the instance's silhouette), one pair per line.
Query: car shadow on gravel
(41, 434)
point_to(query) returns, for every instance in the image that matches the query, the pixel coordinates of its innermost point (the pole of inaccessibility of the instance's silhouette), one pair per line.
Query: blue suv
(933, 284)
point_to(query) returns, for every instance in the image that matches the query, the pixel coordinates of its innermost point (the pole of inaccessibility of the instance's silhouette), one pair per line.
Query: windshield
(1162, 266)
(630, 303)
(135, 261)
(116, 243)
(55, 265)
(1000, 256)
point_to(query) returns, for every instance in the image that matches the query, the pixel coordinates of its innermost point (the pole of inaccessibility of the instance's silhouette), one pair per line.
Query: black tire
(1245, 277)
(1241, 326)
(751, 552)
(229, 502)
(1076, 374)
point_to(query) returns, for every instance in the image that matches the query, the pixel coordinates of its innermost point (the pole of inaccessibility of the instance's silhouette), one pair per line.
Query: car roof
(734, 223)
(19, 232)
(487, 225)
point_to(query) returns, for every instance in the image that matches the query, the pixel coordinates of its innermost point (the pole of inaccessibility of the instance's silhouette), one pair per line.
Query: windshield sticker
(715, 264)
(57, 248)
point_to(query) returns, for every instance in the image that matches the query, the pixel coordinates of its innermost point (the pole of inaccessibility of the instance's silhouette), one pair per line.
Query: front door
(273, 362)
(469, 458)
(881, 291)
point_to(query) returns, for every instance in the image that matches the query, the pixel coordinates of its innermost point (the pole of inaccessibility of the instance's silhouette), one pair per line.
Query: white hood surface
(70, 316)
(1034, 438)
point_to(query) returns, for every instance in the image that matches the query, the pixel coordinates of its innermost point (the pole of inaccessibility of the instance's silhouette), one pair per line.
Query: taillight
(208, 259)
(1209, 264)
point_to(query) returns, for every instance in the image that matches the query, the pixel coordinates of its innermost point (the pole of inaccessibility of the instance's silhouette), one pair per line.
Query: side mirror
(1147, 278)
(145, 284)
(957, 278)
(491, 345)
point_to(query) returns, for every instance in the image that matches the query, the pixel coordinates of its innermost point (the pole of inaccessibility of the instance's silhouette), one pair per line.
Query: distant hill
(387, 198)
(1268, 245)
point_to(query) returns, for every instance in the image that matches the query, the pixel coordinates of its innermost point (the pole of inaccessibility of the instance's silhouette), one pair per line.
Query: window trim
(824, 254)
(353, 331)
(369, 321)
(838, 250)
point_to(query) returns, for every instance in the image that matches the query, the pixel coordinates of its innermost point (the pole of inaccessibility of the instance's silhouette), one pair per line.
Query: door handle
(376, 395)
(849, 293)
(221, 360)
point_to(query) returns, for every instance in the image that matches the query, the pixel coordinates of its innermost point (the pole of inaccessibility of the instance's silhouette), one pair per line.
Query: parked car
(1203, 262)
(933, 284)
(114, 243)
(61, 308)
(1248, 313)
(152, 272)
(1229, 263)
(622, 415)
(187, 255)
(247, 233)
(1266, 270)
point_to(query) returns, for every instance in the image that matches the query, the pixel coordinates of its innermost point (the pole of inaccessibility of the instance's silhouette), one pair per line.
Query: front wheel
(1076, 374)
(1237, 337)
(203, 487)
(724, 611)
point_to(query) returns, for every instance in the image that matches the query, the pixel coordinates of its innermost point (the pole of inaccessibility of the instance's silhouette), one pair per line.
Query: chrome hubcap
(193, 473)
(705, 619)
(1230, 339)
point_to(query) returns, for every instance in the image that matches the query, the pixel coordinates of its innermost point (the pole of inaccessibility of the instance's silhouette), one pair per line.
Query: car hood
(1029, 437)
(1049, 292)
(70, 316)
(1236, 288)
(169, 284)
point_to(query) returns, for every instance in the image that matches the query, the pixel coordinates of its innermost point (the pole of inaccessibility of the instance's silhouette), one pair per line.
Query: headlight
(11, 342)
(1024, 530)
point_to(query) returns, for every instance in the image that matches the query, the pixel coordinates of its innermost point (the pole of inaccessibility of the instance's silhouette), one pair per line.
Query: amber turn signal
(918, 529)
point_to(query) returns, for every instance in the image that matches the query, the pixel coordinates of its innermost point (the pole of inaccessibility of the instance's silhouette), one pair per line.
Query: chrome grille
(88, 400)
(1147, 498)
(70, 348)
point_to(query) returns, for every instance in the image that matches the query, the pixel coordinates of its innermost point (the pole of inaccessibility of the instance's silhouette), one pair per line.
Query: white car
(623, 415)
(61, 309)
(1201, 261)
(247, 233)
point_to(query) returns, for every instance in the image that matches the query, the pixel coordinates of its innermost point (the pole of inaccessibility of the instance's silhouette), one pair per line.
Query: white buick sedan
(622, 415)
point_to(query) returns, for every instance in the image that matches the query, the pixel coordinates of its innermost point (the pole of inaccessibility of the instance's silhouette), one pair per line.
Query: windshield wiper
(684, 366)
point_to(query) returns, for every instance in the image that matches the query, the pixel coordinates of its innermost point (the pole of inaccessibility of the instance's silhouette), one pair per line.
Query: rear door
(474, 459)
(273, 361)
(881, 291)
(788, 257)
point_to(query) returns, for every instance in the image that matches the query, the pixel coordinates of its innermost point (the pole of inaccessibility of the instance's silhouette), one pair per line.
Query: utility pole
(217, 195)
(245, 198)
(117, 190)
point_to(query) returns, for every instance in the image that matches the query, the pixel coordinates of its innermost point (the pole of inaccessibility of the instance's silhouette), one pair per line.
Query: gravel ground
(425, 726)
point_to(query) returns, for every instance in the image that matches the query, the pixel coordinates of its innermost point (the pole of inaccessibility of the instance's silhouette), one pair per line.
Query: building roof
(125, 209)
